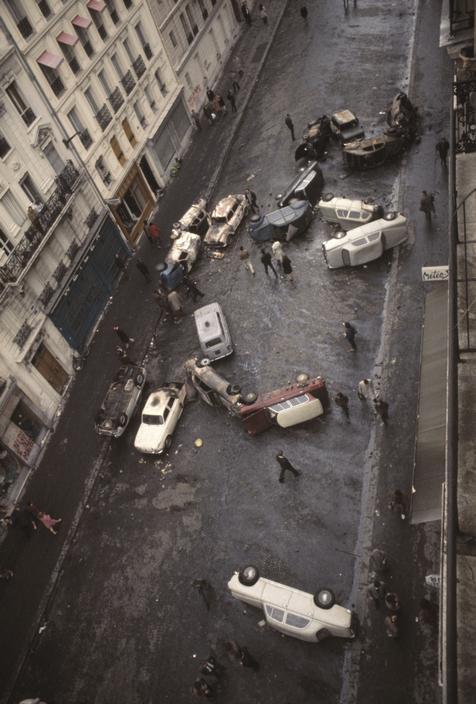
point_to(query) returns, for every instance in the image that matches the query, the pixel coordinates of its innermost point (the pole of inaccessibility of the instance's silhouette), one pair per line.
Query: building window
(149, 96)
(54, 81)
(186, 28)
(117, 66)
(89, 95)
(17, 11)
(203, 9)
(103, 172)
(112, 9)
(13, 208)
(143, 41)
(4, 146)
(5, 245)
(30, 189)
(127, 49)
(118, 153)
(84, 39)
(54, 158)
(127, 4)
(129, 133)
(78, 126)
(140, 115)
(68, 54)
(191, 19)
(96, 17)
(104, 82)
(44, 7)
(25, 112)
(173, 40)
(162, 86)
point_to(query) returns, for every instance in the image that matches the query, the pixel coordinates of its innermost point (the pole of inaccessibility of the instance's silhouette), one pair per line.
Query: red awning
(49, 59)
(65, 38)
(97, 5)
(79, 21)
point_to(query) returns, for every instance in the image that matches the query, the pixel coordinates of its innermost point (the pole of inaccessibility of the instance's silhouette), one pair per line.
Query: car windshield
(152, 420)
(212, 343)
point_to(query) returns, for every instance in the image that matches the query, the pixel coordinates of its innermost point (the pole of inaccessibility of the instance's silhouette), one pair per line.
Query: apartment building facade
(198, 36)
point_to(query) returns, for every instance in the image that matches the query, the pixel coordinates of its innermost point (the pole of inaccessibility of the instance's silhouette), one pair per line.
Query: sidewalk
(74, 457)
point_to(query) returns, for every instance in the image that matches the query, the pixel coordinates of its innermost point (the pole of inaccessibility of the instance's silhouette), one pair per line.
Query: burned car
(403, 116)
(195, 220)
(316, 137)
(346, 127)
(184, 250)
(226, 219)
(307, 185)
(372, 152)
(120, 401)
(282, 224)
(348, 213)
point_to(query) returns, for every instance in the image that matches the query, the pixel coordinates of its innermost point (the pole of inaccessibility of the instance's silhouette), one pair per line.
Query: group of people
(27, 517)
(216, 105)
(211, 670)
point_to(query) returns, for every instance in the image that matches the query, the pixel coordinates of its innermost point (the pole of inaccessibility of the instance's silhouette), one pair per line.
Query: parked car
(160, 415)
(348, 213)
(346, 127)
(120, 401)
(226, 218)
(291, 611)
(307, 185)
(184, 250)
(366, 243)
(196, 220)
(282, 224)
(213, 333)
(372, 152)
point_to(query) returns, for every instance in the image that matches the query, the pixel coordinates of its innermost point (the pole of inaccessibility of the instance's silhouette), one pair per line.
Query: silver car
(226, 219)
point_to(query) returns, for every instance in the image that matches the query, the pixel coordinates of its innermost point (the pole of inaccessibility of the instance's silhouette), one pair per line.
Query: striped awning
(49, 59)
(65, 38)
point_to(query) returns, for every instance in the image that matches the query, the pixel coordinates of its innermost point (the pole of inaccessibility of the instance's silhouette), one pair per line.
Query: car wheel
(390, 216)
(249, 398)
(123, 419)
(302, 378)
(255, 218)
(339, 235)
(168, 442)
(324, 598)
(322, 634)
(205, 362)
(327, 197)
(139, 380)
(233, 389)
(369, 201)
(248, 576)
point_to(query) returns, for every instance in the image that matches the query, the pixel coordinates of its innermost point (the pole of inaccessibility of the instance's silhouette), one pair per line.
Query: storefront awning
(429, 471)
(82, 22)
(49, 59)
(65, 38)
(97, 5)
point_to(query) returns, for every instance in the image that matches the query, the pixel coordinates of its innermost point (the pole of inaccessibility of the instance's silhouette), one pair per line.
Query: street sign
(434, 273)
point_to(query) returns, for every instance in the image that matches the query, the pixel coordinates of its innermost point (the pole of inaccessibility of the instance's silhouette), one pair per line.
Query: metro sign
(434, 273)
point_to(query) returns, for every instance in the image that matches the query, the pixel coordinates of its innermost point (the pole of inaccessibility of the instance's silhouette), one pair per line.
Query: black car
(307, 185)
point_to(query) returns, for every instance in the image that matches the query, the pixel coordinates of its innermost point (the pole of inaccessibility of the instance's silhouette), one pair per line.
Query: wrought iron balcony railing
(128, 82)
(116, 99)
(104, 117)
(139, 66)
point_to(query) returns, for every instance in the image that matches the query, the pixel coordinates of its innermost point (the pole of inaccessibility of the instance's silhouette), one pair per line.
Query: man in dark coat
(267, 262)
(290, 125)
(286, 466)
(349, 333)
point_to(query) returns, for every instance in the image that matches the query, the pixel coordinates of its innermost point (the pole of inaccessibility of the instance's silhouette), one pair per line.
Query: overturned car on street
(120, 401)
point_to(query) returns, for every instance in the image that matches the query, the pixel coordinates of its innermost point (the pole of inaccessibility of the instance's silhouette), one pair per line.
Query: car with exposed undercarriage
(348, 212)
(120, 401)
(160, 416)
(226, 218)
(345, 126)
(184, 250)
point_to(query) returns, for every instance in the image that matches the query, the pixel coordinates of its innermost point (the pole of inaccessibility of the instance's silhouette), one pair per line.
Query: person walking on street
(210, 94)
(442, 147)
(222, 105)
(176, 305)
(201, 688)
(23, 519)
(143, 270)
(263, 14)
(212, 667)
(287, 268)
(376, 592)
(242, 654)
(245, 11)
(397, 504)
(304, 12)
(245, 258)
(196, 120)
(209, 114)
(231, 97)
(154, 234)
(427, 204)
(286, 466)
(391, 626)
(192, 288)
(278, 253)
(252, 200)
(121, 265)
(267, 263)
(342, 401)
(349, 333)
(381, 409)
(290, 125)
(123, 336)
(378, 562)
(48, 521)
(205, 589)
(124, 357)
(365, 390)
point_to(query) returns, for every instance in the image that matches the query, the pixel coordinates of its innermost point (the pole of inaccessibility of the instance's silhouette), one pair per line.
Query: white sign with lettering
(434, 273)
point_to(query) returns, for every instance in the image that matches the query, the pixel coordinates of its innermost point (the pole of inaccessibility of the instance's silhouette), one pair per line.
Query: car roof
(364, 231)
(224, 205)
(206, 320)
(156, 402)
(342, 117)
(347, 203)
(286, 215)
(196, 209)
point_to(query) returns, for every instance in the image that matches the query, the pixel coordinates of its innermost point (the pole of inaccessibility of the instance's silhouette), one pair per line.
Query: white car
(348, 213)
(160, 415)
(291, 611)
(184, 250)
(213, 332)
(226, 219)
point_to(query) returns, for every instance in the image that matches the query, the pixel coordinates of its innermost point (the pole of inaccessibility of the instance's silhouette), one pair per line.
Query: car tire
(205, 362)
(369, 201)
(255, 218)
(339, 235)
(139, 379)
(390, 216)
(123, 419)
(168, 442)
(233, 389)
(302, 379)
(322, 634)
(249, 398)
(327, 197)
(324, 599)
(248, 576)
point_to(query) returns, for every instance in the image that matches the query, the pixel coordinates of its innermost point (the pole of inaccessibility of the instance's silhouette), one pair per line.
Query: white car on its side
(291, 611)
(160, 415)
(184, 250)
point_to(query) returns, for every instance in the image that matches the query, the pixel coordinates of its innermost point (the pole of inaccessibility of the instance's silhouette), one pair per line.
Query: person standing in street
(196, 120)
(376, 592)
(212, 667)
(278, 253)
(365, 390)
(342, 401)
(221, 105)
(245, 11)
(123, 336)
(442, 147)
(121, 265)
(143, 270)
(286, 466)
(252, 200)
(210, 94)
(303, 12)
(124, 357)
(287, 268)
(290, 125)
(192, 288)
(205, 590)
(154, 234)
(349, 333)
(263, 14)
(397, 504)
(242, 654)
(231, 98)
(381, 409)
(245, 258)
(267, 263)
(427, 204)
(201, 688)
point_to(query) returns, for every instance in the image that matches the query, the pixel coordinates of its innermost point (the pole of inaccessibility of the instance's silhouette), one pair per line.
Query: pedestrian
(349, 333)
(376, 591)
(192, 288)
(245, 11)
(278, 253)
(154, 234)
(442, 147)
(365, 390)
(252, 200)
(196, 120)
(48, 521)
(286, 466)
(143, 270)
(209, 114)
(397, 504)
(176, 305)
(241, 654)
(342, 401)
(201, 688)
(263, 14)
(238, 66)
(245, 258)
(391, 625)
(427, 204)
(427, 613)
(221, 105)
(210, 94)
(121, 265)
(290, 125)
(23, 519)
(205, 589)
(231, 97)
(392, 602)
(5, 573)
(212, 667)
(267, 263)
(287, 268)
(123, 336)
(381, 409)
(304, 12)
(124, 357)
(378, 562)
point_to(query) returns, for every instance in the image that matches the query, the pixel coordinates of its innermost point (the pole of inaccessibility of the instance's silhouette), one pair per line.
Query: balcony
(116, 99)
(139, 66)
(464, 89)
(147, 51)
(104, 117)
(25, 28)
(85, 139)
(128, 82)
(42, 222)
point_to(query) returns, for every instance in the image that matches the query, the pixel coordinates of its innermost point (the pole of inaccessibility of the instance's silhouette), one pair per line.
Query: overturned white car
(184, 250)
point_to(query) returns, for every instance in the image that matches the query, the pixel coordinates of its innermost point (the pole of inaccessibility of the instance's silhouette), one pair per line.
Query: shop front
(132, 204)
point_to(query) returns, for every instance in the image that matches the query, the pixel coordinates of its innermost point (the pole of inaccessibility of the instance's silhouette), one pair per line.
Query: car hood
(149, 438)
(218, 234)
(352, 133)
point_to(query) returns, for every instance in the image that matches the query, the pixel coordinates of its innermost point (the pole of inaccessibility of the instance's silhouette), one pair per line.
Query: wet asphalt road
(124, 623)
